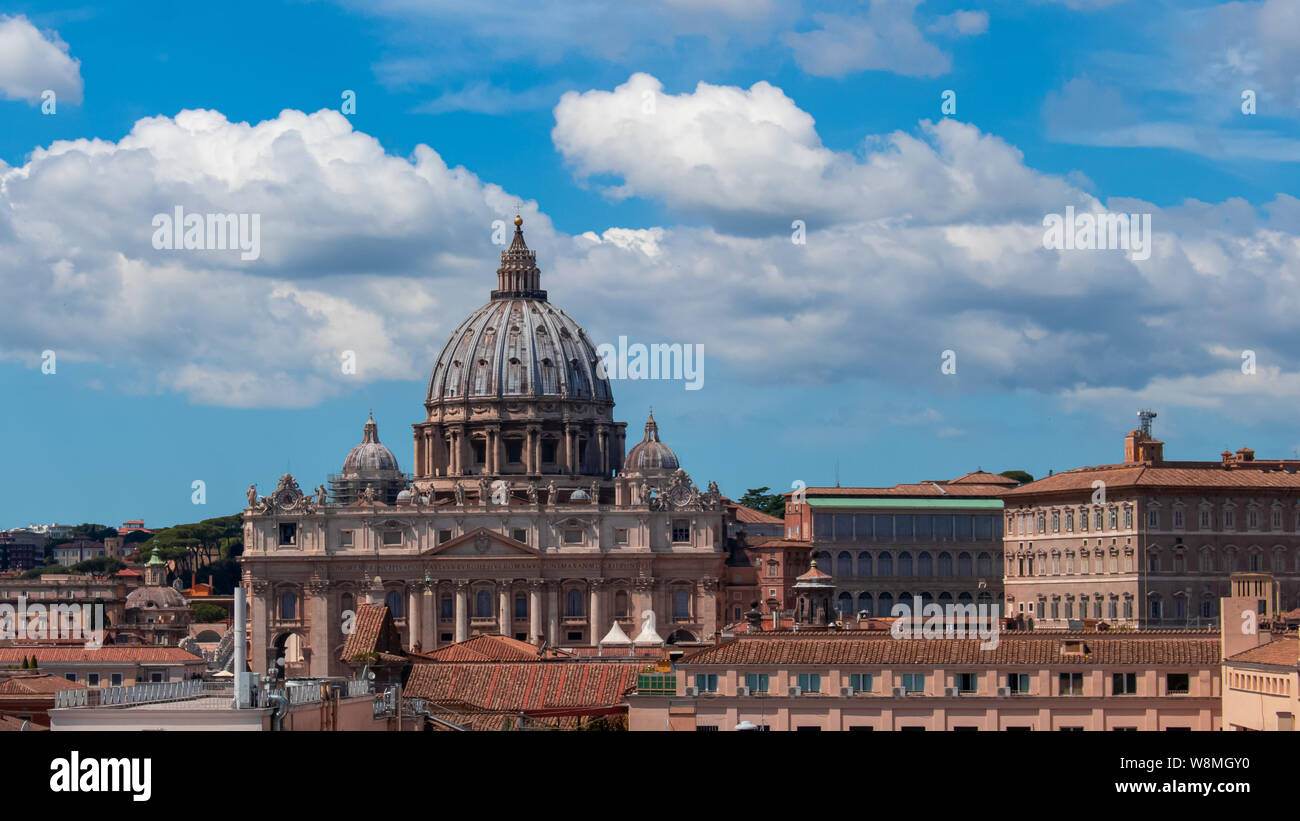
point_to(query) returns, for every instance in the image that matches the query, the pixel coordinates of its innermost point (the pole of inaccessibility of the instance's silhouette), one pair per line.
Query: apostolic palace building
(525, 513)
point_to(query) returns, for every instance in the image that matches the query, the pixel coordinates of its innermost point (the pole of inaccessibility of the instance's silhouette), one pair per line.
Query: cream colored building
(523, 515)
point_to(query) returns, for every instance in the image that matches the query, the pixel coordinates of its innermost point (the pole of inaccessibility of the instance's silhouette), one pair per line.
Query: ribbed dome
(370, 456)
(650, 455)
(518, 344)
(153, 598)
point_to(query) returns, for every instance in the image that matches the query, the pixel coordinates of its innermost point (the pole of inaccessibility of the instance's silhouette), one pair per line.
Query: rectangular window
(574, 635)
(1176, 684)
(548, 451)
(913, 682)
(155, 678)
(1124, 684)
(706, 682)
(860, 682)
(943, 528)
(1153, 518)
(445, 608)
(1178, 519)
(862, 527)
(345, 538)
(1071, 684)
(115, 679)
(92, 679)
(392, 537)
(1229, 519)
(519, 534)
(288, 533)
(444, 536)
(573, 536)
(984, 527)
(810, 682)
(823, 527)
(1096, 520)
(923, 528)
(521, 607)
(1275, 520)
(620, 535)
(757, 682)
(903, 528)
(964, 527)
(843, 527)
(1018, 683)
(515, 450)
(681, 530)
(968, 682)
(70, 676)
(884, 527)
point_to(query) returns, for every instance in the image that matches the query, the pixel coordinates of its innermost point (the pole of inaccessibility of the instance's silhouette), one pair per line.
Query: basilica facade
(523, 515)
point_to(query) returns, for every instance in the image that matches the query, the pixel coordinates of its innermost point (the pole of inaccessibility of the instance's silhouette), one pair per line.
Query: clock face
(679, 495)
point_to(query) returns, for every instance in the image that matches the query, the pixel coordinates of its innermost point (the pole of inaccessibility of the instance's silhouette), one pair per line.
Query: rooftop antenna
(1146, 415)
(837, 473)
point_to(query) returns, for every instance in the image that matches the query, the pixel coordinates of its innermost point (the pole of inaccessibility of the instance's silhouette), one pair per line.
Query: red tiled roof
(983, 477)
(524, 686)
(36, 684)
(1208, 475)
(11, 724)
(104, 655)
(373, 631)
(488, 647)
(1283, 651)
(1200, 649)
(751, 516)
(917, 489)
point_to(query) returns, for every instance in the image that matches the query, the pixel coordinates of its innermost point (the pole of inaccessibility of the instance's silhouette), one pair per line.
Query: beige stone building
(1149, 542)
(522, 516)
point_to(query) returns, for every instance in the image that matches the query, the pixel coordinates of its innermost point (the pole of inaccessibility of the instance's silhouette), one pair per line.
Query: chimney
(1245, 455)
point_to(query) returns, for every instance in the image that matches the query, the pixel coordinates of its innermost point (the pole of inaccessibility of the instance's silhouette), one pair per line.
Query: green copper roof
(902, 503)
(155, 559)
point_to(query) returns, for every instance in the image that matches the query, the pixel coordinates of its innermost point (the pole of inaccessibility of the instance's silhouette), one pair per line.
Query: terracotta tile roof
(488, 647)
(983, 477)
(108, 654)
(1194, 649)
(11, 724)
(915, 489)
(373, 631)
(36, 684)
(1283, 651)
(1208, 475)
(524, 686)
(751, 516)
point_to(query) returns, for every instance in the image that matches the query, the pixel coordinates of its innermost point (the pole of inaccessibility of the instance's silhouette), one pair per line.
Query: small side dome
(152, 598)
(579, 495)
(370, 456)
(650, 456)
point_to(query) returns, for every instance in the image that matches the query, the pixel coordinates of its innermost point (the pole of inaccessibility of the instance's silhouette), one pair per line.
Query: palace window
(573, 604)
(1071, 684)
(1252, 520)
(681, 530)
(288, 606)
(681, 605)
(445, 607)
(621, 605)
(1153, 518)
(1275, 520)
(1112, 518)
(479, 446)
(1229, 519)
(521, 606)
(1056, 522)
(1178, 519)
(1205, 519)
(1069, 521)
(1096, 520)
(288, 533)
(573, 536)
(392, 537)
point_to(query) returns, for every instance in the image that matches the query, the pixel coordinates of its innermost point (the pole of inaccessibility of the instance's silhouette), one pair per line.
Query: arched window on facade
(394, 602)
(573, 603)
(844, 565)
(885, 564)
(864, 565)
(864, 603)
(483, 604)
(844, 603)
(681, 605)
(904, 563)
(288, 605)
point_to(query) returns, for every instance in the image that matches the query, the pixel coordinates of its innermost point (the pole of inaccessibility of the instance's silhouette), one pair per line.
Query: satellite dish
(746, 725)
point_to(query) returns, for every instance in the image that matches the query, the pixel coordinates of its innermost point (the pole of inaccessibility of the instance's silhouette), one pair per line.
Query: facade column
(569, 466)
(462, 610)
(462, 451)
(414, 632)
(535, 610)
(602, 441)
(706, 604)
(595, 620)
(553, 613)
(498, 450)
(643, 599)
(318, 637)
(260, 625)
(428, 627)
(503, 608)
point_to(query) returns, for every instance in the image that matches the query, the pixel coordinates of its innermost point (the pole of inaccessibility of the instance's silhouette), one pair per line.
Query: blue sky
(923, 230)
